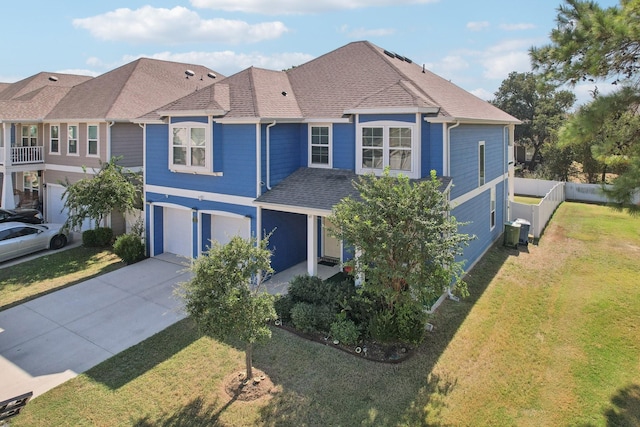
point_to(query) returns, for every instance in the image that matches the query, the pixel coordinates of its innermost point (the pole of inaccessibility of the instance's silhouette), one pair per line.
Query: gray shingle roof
(358, 76)
(131, 90)
(315, 188)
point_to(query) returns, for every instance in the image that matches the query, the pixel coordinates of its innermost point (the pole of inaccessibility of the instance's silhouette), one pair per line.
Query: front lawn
(55, 270)
(549, 336)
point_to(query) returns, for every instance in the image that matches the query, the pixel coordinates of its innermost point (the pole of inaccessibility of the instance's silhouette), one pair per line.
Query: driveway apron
(49, 340)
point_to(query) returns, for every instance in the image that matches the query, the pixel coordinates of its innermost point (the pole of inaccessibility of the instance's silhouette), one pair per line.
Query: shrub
(308, 317)
(129, 248)
(309, 289)
(345, 331)
(405, 323)
(283, 305)
(98, 237)
(303, 317)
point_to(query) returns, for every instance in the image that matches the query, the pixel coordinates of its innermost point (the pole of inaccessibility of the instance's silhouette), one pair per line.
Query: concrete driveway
(50, 340)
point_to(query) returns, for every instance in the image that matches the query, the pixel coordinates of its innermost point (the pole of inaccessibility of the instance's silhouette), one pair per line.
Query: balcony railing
(24, 155)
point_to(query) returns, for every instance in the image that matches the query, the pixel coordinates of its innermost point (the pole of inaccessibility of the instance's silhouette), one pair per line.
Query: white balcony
(23, 155)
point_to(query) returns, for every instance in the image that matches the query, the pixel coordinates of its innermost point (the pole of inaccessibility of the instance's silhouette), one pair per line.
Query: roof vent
(407, 60)
(189, 73)
(211, 75)
(53, 79)
(284, 93)
(391, 54)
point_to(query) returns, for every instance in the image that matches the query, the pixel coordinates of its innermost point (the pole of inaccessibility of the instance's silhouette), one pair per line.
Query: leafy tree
(538, 104)
(112, 188)
(225, 297)
(406, 240)
(592, 43)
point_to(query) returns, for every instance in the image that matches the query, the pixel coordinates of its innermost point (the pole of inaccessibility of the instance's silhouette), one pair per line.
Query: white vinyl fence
(538, 215)
(552, 193)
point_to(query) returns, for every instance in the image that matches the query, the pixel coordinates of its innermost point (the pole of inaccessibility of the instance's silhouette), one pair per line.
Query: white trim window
(54, 139)
(320, 146)
(492, 208)
(72, 140)
(93, 149)
(190, 147)
(387, 144)
(29, 135)
(481, 164)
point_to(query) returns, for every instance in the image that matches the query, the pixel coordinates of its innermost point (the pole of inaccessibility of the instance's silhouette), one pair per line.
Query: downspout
(448, 147)
(505, 168)
(268, 154)
(146, 208)
(109, 124)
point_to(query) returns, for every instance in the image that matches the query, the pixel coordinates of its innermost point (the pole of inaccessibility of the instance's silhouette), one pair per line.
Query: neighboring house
(23, 107)
(276, 150)
(92, 123)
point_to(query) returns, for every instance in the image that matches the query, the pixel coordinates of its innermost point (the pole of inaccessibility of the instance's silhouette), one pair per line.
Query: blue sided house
(266, 150)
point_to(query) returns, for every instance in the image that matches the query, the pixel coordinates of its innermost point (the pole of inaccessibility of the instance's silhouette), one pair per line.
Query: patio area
(279, 282)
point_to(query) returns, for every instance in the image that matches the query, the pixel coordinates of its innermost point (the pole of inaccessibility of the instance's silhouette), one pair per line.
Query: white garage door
(176, 230)
(223, 228)
(54, 211)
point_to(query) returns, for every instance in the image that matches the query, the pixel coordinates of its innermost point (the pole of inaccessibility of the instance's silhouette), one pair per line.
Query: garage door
(223, 228)
(54, 212)
(176, 230)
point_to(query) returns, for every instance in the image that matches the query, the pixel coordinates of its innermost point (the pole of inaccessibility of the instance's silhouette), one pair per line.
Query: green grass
(548, 337)
(30, 279)
(527, 200)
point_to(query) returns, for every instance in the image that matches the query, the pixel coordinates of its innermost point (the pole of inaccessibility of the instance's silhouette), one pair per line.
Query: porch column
(8, 201)
(312, 245)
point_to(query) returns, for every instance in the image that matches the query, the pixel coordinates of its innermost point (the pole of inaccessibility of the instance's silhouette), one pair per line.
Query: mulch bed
(370, 350)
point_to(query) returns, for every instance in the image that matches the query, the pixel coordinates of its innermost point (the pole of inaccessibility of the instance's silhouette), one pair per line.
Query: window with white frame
(387, 144)
(190, 145)
(29, 135)
(492, 208)
(54, 139)
(320, 146)
(481, 168)
(72, 140)
(92, 140)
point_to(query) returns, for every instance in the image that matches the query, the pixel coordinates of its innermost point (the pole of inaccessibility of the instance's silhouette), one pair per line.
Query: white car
(18, 238)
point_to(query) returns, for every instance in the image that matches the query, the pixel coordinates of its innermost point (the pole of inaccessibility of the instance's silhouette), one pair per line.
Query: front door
(331, 247)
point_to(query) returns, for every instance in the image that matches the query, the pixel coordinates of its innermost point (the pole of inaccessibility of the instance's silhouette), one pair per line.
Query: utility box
(511, 234)
(524, 231)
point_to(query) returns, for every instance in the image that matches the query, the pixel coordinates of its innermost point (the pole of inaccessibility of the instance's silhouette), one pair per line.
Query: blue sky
(473, 43)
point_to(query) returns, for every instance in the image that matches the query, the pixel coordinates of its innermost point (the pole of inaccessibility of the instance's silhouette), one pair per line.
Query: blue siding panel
(407, 118)
(284, 151)
(344, 146)
(464, 156)
(237, 162)
(289, 240)
(436, 149)
(476, 212)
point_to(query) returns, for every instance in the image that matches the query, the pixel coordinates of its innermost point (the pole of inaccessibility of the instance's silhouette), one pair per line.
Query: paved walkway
(51, 339)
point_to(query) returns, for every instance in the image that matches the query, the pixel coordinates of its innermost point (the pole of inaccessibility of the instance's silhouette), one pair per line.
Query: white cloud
(449, 64)
(477, 25)
(175, 26)
(517, 27)
(483, 94)
(291, 7)
(584, 91)
(229, 62)
(510, 55)
(365, 33)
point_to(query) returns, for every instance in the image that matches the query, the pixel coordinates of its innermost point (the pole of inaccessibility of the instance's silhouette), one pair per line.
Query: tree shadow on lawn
(135, 361)
(193, 414)
(322, 386)
(625, 407)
